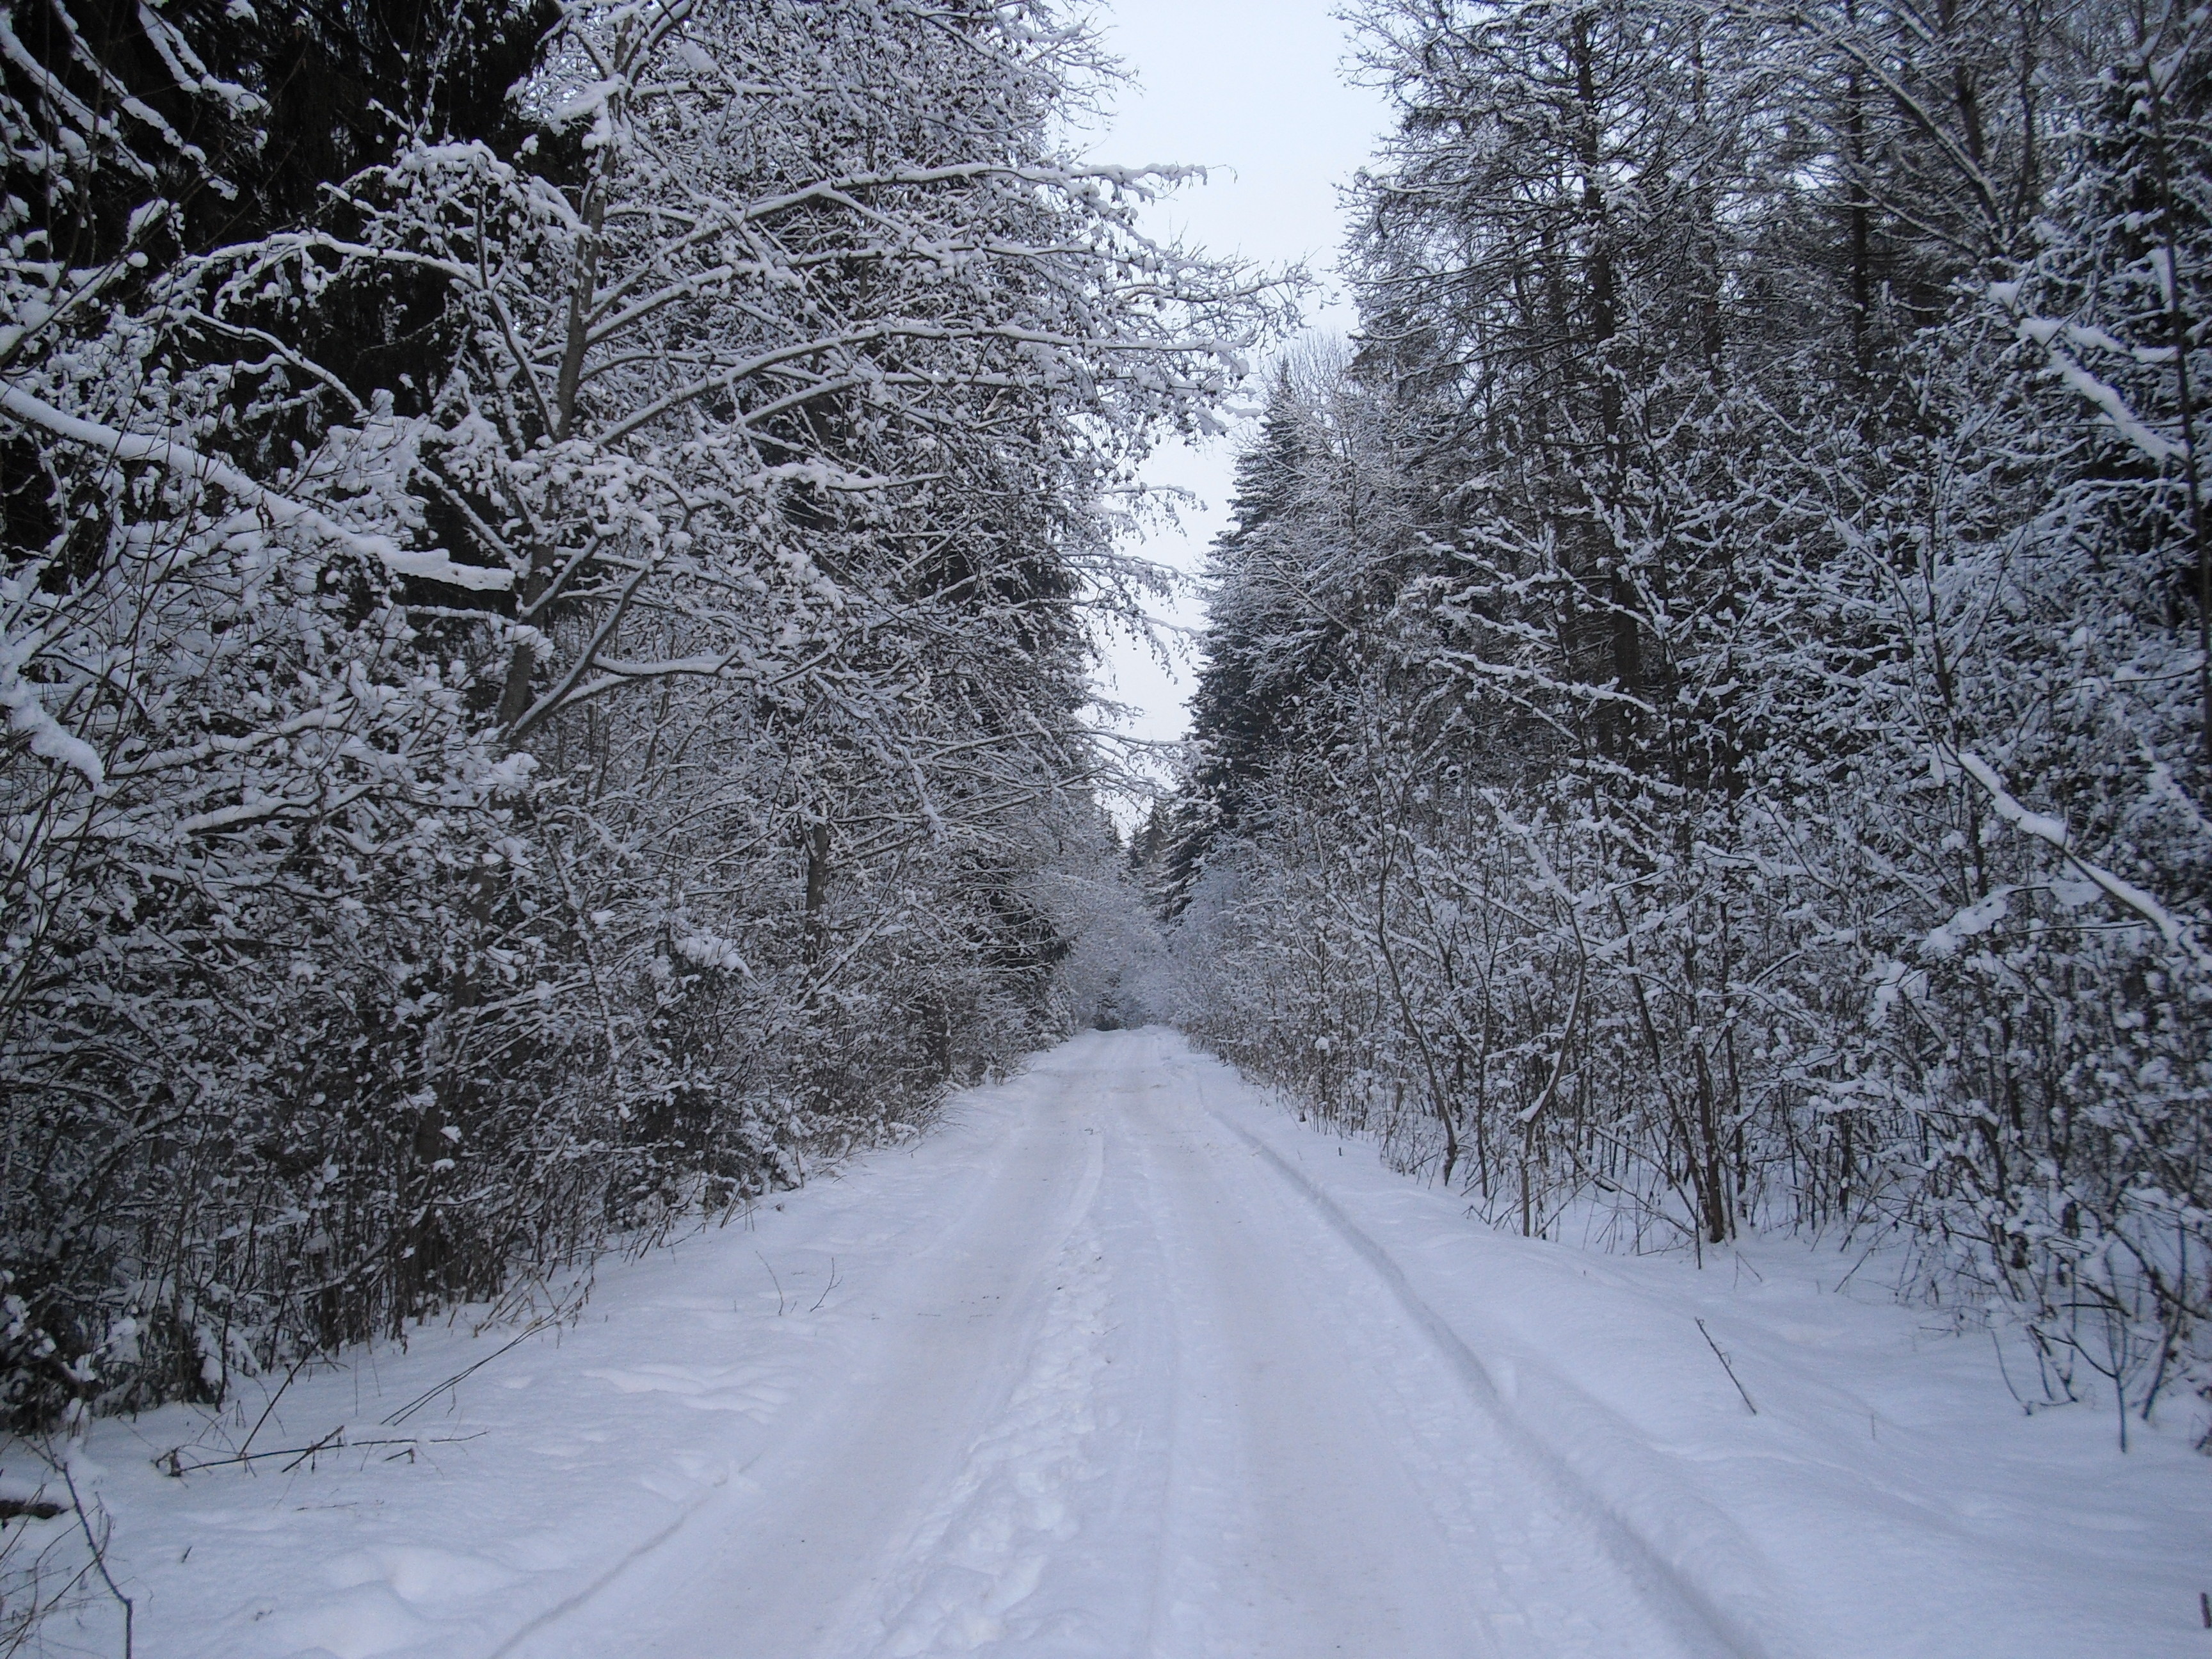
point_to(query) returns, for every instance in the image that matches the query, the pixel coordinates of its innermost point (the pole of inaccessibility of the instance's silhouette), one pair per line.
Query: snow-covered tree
(544, 621)
(1773, 795)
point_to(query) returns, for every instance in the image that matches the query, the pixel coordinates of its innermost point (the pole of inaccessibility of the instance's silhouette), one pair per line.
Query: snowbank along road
(1122, 1362)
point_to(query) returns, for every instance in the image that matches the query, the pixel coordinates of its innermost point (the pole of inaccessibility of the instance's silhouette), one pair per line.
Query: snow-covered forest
(557, 558)
(552, 548)
(553, 551)
(1707, 720)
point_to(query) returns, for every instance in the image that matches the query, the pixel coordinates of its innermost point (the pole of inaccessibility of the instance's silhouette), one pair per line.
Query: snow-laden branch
(28, 714)
(2053, 336)
(2053, 833)
(428, 564)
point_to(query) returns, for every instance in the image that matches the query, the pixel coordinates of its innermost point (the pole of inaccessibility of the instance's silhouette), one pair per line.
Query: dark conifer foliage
(1244, 701)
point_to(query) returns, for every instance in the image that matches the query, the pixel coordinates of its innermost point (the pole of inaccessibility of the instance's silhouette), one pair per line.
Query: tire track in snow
(1684, 1605)
(1018, 1509)
(640, 1592)
(984, 1550)
(594, 1587)
(981, 1550)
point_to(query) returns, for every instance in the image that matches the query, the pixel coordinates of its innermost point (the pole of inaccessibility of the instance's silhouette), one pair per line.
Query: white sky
(1253, 89)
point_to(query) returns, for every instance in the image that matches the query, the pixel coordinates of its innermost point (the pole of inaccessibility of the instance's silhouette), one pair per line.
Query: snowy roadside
(1886, 1497)
(530, 1482)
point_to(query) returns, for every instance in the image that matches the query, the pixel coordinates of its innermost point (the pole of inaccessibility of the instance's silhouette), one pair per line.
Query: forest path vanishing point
(1138, 1391)
(1120, 1361)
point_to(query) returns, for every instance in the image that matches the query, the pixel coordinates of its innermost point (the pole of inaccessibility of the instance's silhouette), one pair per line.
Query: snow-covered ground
(1123, 1361)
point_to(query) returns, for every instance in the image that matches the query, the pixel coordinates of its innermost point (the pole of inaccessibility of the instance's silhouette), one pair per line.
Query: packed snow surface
(1123, 1361)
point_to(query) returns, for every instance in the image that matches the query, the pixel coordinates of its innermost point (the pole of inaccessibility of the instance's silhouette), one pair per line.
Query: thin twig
(1729, 1369)
(463, 1374)
(773, 1280)
(247, 1444)
(98, 1549)
(326, 1444)
(2025, 1409)
(826, 1288)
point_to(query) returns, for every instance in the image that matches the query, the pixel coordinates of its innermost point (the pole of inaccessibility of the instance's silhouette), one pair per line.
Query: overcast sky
(1253, 89)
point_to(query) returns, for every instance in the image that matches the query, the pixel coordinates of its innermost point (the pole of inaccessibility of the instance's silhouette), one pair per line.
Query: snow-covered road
(1129, 1393)
(1119, 1362)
